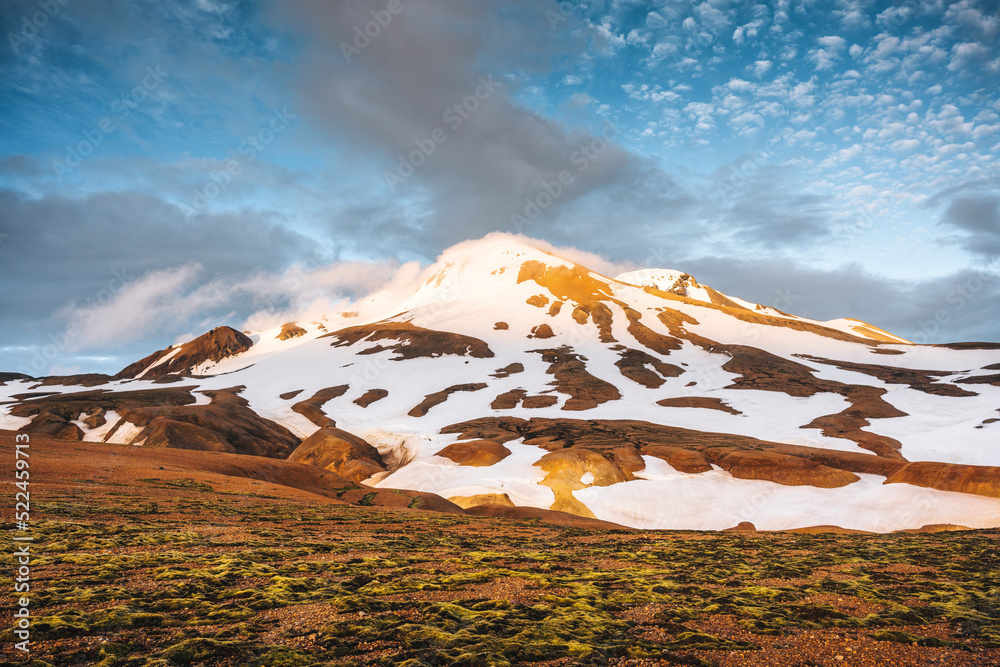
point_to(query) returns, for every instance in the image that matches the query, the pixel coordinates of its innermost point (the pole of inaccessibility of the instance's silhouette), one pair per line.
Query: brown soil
(228, 510)
(551, 517)
(64, 464)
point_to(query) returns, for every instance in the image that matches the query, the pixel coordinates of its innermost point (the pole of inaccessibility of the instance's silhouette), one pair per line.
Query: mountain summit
(513, 376)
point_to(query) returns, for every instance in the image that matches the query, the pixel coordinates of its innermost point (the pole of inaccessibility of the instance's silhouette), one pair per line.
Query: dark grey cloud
(978, 217)
(57, 250)
(402, 84)
(961, 306)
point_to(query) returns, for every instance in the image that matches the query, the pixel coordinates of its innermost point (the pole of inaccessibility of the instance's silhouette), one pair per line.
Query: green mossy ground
(210, 578)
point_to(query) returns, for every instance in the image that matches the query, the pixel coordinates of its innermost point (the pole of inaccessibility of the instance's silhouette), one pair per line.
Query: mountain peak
(667, 280)
(191, 357)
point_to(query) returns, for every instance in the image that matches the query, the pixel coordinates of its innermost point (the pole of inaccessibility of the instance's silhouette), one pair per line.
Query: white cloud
(894, 18)
(747, 31)
(802, 136)
(648, 93)
(659, 52)
(842, 156)
(172, 300)
(740, 85)
(761, 67)
(905, 145)
(713, 19)
(967, 55)
(656, 20)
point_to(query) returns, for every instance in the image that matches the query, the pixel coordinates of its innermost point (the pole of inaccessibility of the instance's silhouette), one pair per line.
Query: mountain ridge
(613, 398)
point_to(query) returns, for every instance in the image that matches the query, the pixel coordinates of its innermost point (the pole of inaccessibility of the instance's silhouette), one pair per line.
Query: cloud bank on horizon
(167, 167)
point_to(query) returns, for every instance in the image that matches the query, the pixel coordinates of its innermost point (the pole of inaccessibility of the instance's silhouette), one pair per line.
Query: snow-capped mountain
(515, 376)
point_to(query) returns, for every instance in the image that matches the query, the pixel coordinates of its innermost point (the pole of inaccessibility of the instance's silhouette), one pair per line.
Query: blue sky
(166, 166)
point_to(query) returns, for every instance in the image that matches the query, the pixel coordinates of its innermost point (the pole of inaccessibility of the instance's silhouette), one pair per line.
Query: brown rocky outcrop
(167, 419)
(538, 301)
(644, 368)
(508, 370)
(565, 469)
(541, 331)
(53, 413)
(978, 480)
(465, 502)
(83, 380)
(600, 315)
(511, 399)
(370, 397)
(291, 330)
(47, 423)
(312, 407)
(781, 468)
(920, 380)
(572, 378)
(476, 453)
(698, 402)
(411, 341)
(439, 397)
(216, 345)
(981, 379)
(682, 460)
(539, 401)
(227, 424)
(340, 452)
(687, 450)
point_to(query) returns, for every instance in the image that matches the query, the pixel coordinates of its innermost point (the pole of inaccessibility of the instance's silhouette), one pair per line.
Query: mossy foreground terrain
(176, 571)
